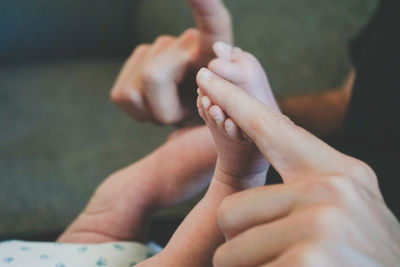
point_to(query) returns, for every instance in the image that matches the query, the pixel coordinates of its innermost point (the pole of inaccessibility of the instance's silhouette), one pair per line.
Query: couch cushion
(74, 28)
(60, 136)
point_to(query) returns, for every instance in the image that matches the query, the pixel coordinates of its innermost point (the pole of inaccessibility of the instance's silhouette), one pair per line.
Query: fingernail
(205, 101)
(205, 74)
(223, 50)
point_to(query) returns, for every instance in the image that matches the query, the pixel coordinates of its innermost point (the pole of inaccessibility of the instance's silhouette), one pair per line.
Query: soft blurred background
(60, 136)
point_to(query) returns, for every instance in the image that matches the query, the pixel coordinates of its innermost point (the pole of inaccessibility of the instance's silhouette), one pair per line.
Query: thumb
(294, 152)
(214, 23)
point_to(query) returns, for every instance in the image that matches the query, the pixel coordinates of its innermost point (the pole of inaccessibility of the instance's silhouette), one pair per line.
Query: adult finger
(162, 74)
(294, 152)
(252, 207)
(126, 92)
(214, 22)
(265, 242)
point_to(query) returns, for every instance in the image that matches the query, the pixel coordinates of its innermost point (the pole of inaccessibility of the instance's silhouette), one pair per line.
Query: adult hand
(147, 87)
(328, 212)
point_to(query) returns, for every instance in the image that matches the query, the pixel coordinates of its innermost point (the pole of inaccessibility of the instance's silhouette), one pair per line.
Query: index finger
(294, 152)
(214, 22)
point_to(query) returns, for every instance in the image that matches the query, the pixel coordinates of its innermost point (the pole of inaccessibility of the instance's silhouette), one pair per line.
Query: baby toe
(232, 130)
(217, 115)
(200, 108)
(206, 102)
(222, 50)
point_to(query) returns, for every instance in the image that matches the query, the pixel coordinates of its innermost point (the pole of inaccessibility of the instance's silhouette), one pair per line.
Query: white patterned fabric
(41, 254)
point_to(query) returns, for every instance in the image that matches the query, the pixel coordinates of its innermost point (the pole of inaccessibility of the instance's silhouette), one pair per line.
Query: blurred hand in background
(157, 82)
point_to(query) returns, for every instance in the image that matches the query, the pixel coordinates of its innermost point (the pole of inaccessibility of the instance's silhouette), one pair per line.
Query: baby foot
(237, 155)
(244, 70)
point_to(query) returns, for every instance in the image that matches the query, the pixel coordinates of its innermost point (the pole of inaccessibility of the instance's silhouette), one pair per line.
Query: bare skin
(329, 208)
(140, 90)
(240, 166)
(320, 113)
(148, 85)
(144, 94)
(127, 199)
(123, 203)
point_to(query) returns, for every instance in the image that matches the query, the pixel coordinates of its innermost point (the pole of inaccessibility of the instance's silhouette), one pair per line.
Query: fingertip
(189, 38)
(231, 129)
(216, 114)
(222, 50)
(191, 32)
(204, 75)
(205, 101)
(229, 124)
(214, 22)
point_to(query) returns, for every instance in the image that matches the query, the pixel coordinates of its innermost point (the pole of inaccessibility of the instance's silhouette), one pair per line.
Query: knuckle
(138, 51)
(331, 188)
(151, 75)
(141, 48)
(362, 171)
(187, 37)
(164, 39)
(324, 220)
(191, 31)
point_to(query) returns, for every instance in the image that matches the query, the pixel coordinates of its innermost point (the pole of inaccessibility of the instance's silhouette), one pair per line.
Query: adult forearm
(321, 113)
